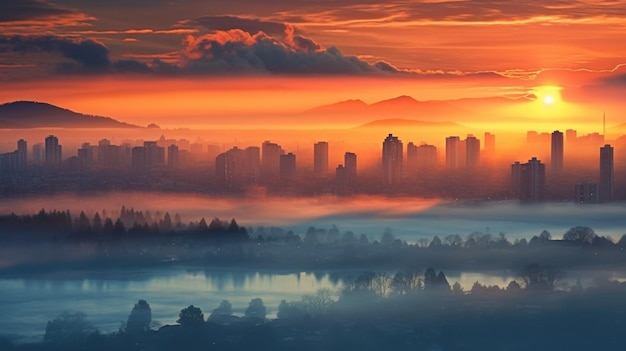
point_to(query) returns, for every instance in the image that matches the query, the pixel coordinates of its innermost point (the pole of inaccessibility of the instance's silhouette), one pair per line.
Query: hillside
(30, 114)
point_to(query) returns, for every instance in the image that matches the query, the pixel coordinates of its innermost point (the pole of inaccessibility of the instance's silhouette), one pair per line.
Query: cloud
(370, 13)
(226, 23)
(39, 13)
(237, 50)
(85, 55)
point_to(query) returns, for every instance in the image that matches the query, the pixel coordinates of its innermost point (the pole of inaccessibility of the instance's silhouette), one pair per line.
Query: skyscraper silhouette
(287, 167)
(349, 161)
(452, 152)
(53, 151)
(606, 173)
(556, 155)
(392, 160)
(472, 151)
(528, 180)
(22, 154)
(320, 157)
(270, 161)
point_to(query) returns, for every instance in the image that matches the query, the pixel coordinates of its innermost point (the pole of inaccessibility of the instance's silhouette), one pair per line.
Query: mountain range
(31, 114)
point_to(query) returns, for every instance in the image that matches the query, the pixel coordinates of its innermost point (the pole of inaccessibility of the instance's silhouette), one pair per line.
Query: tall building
(556, 155)
(490, 146)
(287, 167)
(426, 156)
(38, 153)
(53, 151)
(586, 193)
(270, 161)
(472, 151)
(320, 157)
(571, 138)
(342, 185)
(349, 162)
(154, 153)
(528, 180)
(173, 159)
(392, 160)
(606, 173)
(253, 164)
(230, 168)
(412, 163)
(452, 152)
(22, 154)
(85, 157)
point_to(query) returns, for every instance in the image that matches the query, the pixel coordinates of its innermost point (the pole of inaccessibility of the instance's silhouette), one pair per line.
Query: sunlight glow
(548, 100)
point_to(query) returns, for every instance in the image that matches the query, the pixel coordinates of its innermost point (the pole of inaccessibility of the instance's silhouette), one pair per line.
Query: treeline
(128, 224)
(407, 310)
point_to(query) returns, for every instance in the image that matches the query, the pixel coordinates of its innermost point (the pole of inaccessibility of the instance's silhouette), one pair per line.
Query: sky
(178, 61)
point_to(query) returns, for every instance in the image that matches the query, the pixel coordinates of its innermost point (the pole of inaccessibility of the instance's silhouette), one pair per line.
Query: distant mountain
(407, 123)
(357, 111)
(30, 114)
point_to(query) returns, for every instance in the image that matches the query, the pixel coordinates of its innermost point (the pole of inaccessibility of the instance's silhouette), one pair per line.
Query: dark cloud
(86, 53)
(20, 10)
(225, 23)
(239, 51)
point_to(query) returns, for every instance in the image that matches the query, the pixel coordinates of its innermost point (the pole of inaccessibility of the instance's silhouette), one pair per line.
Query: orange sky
(195, 63)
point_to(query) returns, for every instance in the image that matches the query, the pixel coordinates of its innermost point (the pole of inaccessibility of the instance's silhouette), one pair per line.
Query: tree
(387, 237)
(288, 310)
(583, 235)
(406, 282)
(256, 309)
(140, 318)
(68, 326)
(96, 223)
(540, 278)
(222, 313)
(190, 317)
(457, 290)
(317, 304)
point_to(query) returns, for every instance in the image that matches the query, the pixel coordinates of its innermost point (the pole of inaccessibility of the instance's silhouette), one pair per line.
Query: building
(489, 149)
(556, 154)
(38, 153)
(85, 157)
(53, 151)
(411, 159)
(270, 161)
(230, 169)
(453, 144)
(22, 155)
(320, 157)
(392, 160)
(345, 175)
(253, 164)
(173, 159)
(472, 151)
(155, 154)
(528, 180)
(586, 193)
(606, 173)
(349, 162)
(426, 156)
(287, 165)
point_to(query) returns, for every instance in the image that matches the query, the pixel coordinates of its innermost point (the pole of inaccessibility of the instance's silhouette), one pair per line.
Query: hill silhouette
(31, 114)
(407, 123)
(357, 111)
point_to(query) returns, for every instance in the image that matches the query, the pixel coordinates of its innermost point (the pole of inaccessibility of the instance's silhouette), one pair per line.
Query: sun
(548, 100)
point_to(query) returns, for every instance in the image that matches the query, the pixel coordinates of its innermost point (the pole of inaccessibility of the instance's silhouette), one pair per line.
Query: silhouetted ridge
(400, 122)
(31, 114)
